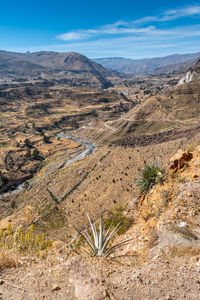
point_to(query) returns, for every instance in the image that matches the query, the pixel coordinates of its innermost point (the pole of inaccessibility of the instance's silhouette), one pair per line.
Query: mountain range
(75, 69)
(173, 63)
(68, 66)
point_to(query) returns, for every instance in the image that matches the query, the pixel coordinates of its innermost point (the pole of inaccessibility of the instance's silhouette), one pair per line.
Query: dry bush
(153, 240)
(165, 197)
(147, 214)
(23, 241)
(186, 232)
(7, 260)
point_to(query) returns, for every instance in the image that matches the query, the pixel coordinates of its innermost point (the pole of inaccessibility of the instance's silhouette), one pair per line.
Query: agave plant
(150, 175)
(99, 240)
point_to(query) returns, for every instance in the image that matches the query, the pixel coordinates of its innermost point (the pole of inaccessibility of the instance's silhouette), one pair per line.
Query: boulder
(179, 160)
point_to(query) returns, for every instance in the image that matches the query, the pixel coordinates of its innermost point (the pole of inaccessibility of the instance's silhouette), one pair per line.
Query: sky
(101, 28)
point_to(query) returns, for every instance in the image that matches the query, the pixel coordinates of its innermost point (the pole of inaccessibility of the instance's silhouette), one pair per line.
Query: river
(88, 149)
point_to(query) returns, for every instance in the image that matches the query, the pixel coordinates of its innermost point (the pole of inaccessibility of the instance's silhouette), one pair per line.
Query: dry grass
(186, 232)
(188, 251)
(190, 147)
(117, 216)
(153, 238)
(165, 195)
(146, 214)
(7, 260)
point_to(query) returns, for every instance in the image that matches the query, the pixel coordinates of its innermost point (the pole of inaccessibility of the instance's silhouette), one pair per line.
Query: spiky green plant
(99, 240)
(150, 175)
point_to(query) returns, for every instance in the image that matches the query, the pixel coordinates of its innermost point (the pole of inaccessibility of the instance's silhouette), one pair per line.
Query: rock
(25, 260)
(60, 259)
(55, 288)
(73, 262)
(198, 266)
(182, 224)
(179, 160)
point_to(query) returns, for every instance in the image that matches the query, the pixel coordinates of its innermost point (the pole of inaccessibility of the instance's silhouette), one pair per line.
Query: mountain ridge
(149, 65)
(54, 65)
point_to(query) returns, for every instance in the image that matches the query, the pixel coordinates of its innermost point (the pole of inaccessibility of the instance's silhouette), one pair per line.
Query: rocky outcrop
(179, 160)
(192, 74)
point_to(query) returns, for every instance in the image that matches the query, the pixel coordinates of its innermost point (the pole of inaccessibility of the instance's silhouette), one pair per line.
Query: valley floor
(162, 262)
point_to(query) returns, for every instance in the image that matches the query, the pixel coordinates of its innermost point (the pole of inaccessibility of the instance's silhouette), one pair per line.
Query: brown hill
(70, 61)
(17, 66)
(159, 118)
(54, 65)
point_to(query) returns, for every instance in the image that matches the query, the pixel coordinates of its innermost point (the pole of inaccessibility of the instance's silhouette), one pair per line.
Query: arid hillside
(162, 255)
(106, 140)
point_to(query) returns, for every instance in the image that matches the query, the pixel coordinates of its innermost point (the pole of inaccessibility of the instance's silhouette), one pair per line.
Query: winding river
(88, 149)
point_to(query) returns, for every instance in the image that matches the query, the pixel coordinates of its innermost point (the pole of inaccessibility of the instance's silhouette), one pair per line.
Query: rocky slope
(192, 74)
(172, 113)
(161, 262)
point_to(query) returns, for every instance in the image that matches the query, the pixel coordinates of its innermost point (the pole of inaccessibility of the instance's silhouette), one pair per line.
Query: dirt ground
(95, 279)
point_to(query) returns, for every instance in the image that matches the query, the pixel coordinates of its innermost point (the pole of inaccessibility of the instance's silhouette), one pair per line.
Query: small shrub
(28, 143)
(147, 214)
(13, 204)
(165, 197)
(116, 217)
(94, 113)
(7, 260)
(183, 251)
(46, 139)
(24, 241)
(3, 179)
(153, 238)
(36, 155)
(191, 147)
(151, 174)
(186, 232)
(26, 184)
(28, 154)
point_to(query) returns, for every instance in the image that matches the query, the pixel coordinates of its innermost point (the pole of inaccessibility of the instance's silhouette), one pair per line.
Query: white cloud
(172, 14)
(177, 40)
(133, 27)
(74, 36)
(118, 28)
(180, 13)
(137, 39)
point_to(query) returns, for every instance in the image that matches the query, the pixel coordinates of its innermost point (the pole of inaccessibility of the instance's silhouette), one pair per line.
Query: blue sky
(101, 28)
